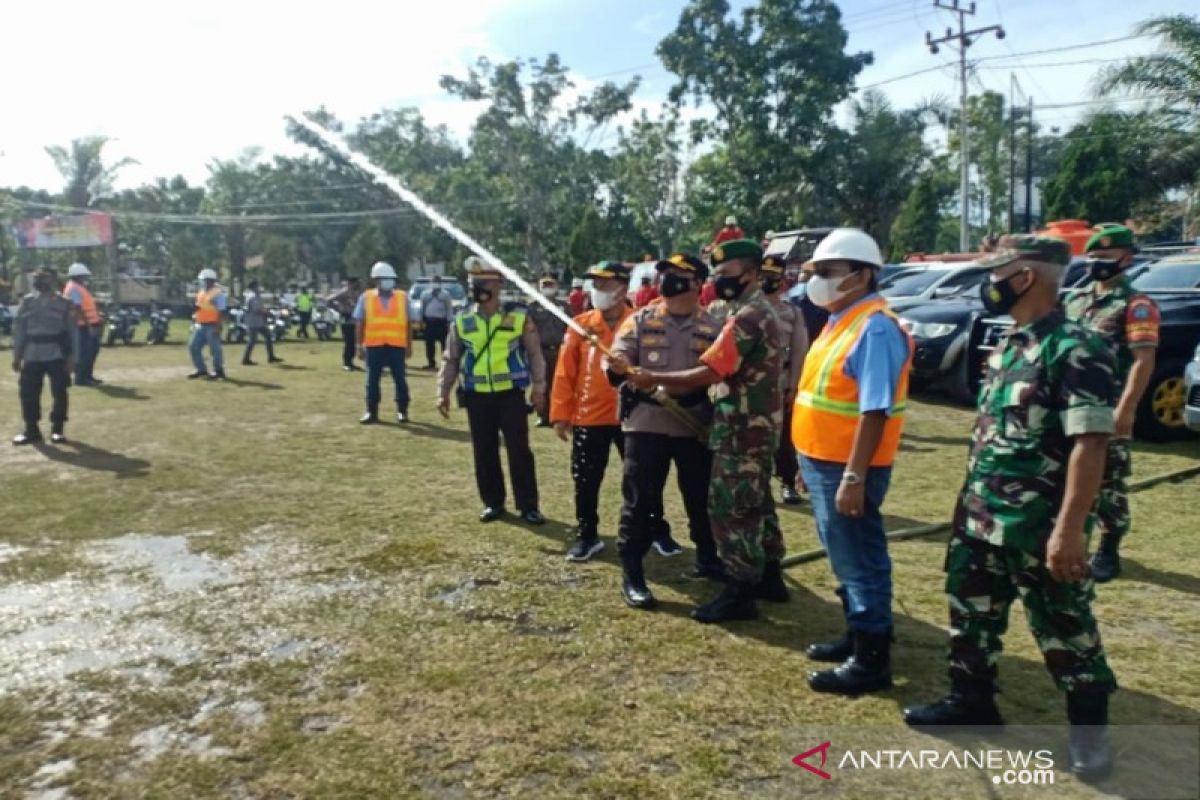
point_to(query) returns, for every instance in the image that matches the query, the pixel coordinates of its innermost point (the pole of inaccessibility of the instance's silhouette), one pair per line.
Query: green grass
(339, 619)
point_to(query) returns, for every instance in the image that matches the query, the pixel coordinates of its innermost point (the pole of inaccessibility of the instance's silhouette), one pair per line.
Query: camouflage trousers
(742, 513)
(983, 579)
(1112, 506)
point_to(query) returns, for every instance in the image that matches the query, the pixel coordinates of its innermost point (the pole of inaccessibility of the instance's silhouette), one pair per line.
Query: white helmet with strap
(382, 269)
(849, 244)
(207, 275)
(78, 270)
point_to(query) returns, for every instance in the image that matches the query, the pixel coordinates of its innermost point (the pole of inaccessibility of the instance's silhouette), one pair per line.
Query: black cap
(609, 269)
(688, 263)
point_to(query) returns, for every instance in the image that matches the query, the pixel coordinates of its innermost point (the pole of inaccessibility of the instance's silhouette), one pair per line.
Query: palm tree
(83, 168)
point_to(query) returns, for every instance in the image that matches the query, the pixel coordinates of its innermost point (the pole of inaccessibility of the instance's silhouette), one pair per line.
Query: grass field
(233, 590)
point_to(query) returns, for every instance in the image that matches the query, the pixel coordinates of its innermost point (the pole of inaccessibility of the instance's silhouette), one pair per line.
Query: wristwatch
(851, 478)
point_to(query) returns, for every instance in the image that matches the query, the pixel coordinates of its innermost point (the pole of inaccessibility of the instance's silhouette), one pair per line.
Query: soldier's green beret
(774, 265)
(1047, 249)
(608, 269)
(685, 262)
(1109, 236)
(737, 248)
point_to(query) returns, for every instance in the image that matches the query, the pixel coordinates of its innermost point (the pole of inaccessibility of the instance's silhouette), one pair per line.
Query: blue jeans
(89, 349)
(206, 335)
(393, 359)
(857, 548)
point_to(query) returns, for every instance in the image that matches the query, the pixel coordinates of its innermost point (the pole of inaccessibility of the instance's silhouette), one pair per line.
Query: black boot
(633, 584)
(971, 703)
(1106, 564)
(868, 670)
(30, 436)
(834, 651)
(1091, 759)
(57, 433)
(371, 417)
(736, 602)
(772, 587)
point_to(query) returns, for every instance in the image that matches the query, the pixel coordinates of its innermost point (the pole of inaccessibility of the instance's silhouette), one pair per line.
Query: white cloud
(177, 84)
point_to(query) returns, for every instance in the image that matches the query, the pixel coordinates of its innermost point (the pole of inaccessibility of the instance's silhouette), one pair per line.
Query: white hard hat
(849, 244)
(731, 220)
(382, 269)
(471, 262)
(78, 270)
(207, 275)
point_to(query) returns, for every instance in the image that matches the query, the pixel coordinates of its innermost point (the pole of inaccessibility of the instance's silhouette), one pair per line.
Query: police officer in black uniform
(44, 346)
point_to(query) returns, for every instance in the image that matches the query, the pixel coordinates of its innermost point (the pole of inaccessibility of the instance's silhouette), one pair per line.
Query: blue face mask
(387, 284)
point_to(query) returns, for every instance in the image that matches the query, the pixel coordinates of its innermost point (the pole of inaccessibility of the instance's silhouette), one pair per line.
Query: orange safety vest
(385, 326)
(826, 414)
(207, 312)
(89, 316)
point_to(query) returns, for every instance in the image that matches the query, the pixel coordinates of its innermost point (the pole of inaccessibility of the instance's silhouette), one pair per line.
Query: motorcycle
(236, 332)
(278, 322)
(160, 323)
(122, 323)
(325, 322)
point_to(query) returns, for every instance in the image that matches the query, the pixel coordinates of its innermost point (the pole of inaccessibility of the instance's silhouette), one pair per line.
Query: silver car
(1191, 383)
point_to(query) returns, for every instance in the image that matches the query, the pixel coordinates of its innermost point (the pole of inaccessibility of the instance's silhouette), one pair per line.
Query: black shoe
(790, 496)
(219, 375)
(736, 602)
(401, 417)
(369, 418)
(543, 423)
(57, 436)
(274, 360)
(584, 549)
(633, 585)
(491, 514)
(1091, 758)
(712, 570)
(1106, 564)
(665, 546)
(28, 437)
(94, 381)
(197, 374)
(970, 704)
(869, 669)
(771, 587)
(533, 517)
(347, 368)
(248, 363)
(834, 651)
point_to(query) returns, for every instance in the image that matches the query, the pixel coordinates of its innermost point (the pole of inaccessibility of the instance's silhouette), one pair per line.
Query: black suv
(1174, 283)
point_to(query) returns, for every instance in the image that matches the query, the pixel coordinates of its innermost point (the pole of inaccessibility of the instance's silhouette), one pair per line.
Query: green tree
(648, 175)
(919, 224)
(82, 166)
(772, 79)
(368, 245)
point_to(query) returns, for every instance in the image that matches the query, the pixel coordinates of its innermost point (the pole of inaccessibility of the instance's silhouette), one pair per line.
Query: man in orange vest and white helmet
(384, 331)
(846, 427)
(211, 303)
(88, 319)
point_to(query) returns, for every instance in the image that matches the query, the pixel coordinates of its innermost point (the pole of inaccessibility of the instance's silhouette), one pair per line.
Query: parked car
(1191, 380)
(936, 282)
(1174, 284)
(458, 299)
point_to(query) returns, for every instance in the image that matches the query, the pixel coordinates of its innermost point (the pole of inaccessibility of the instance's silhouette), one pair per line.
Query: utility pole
(1012, 152)
(964, 39)
(1029, 171)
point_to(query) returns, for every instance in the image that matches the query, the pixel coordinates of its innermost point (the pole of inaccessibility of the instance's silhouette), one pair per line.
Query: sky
(178, 84)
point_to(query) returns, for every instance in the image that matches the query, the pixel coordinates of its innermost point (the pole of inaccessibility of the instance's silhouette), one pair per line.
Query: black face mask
(1000, 297)
(481, 294)
(1104, 269)
(729, 287)
(675, 285)
(772, 285)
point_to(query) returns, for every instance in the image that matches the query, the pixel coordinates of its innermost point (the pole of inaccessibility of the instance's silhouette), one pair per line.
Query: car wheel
(1160, 413)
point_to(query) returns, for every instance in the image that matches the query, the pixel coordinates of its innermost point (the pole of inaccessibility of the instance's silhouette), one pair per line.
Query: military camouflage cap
(774, 265)
(737, 248)
(684, 262)
(608, 269)
(1046, 249)
(1110, 236)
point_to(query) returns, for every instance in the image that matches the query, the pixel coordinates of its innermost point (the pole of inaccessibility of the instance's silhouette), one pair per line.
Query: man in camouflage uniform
(1024, 515)
(744, 365)
(793, 344)
(1129, 323)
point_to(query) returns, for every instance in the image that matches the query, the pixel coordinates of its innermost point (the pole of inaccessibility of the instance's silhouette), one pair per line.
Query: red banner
(83, 230)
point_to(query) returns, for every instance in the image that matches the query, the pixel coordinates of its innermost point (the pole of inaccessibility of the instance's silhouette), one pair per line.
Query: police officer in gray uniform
(44, 345)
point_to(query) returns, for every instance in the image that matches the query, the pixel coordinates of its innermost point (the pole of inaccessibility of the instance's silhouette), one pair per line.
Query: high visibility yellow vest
(495, 359)
(826, 414)
(385, 327)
